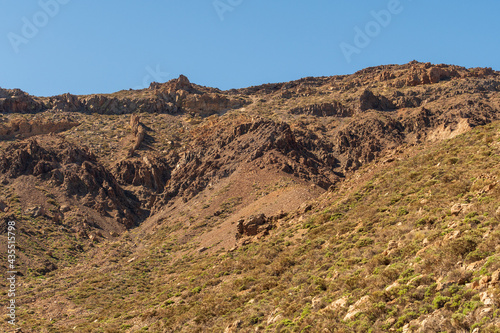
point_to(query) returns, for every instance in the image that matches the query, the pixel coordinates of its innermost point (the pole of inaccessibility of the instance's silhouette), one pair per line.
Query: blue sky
(50, 47)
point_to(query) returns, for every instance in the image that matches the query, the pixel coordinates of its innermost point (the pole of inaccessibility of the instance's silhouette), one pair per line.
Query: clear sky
(50, 47)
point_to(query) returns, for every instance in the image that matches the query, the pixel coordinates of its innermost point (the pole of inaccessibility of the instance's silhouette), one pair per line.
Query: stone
(456, 209)
(340, 303)
(495, 277)
(368, 100)
(483, 282)
(324, 110)
(390, 321)
(437, 321)
(35, 211)
(317, 303)
(76, 173)
(356, 308)
(253, 225)
(392, 245)
(392, 286)
(486, 298)
(274, 317)
(3, 206)
(234, 327)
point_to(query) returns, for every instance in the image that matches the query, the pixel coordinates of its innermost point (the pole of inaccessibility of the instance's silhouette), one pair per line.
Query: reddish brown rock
(74, 170)
(22, 128)
(253, 225)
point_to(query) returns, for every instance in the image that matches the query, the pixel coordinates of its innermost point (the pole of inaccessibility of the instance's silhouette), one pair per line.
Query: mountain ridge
(111, 188)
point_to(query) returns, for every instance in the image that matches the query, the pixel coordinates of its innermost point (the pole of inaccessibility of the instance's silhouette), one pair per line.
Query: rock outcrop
(428, 74)
(324, 110)
(174, 96)
(22, 128)
(74, 170)
(253, 225)
(17, 101)
(219, 150)
(368, 100)
(151, 171)
(138, 133)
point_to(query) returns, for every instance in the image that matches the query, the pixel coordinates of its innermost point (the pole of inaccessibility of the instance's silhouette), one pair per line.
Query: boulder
(253, 225)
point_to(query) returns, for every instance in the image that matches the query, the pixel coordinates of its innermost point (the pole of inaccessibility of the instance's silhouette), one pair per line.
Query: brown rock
(151, 172)
(138, 132)
(234, 327)
(495, 277)
(3, 206)
(368, 100)
(74, 170)
(338, 304)
(324, 110)
(35, 211)
(253, 225)
(483, 282)
(386, 76)
(456, 209)
(22, 128)
(428, 74)
(437, 321)
(357, 307)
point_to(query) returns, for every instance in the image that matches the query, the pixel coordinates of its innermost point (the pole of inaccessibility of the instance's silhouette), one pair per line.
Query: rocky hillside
(345, 203)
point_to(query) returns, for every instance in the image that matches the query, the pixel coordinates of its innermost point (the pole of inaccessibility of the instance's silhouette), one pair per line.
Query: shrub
(439, 301)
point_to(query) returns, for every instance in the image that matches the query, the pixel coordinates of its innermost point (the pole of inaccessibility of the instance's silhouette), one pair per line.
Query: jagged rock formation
(218, 151)
(75, 171)
(177, 95)
(17, 101)
(138, 132)
(369, 101)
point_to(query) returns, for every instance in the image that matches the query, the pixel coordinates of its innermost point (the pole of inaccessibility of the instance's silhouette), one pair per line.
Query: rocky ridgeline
(172, 97)
(416, 73)
(181, 96)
